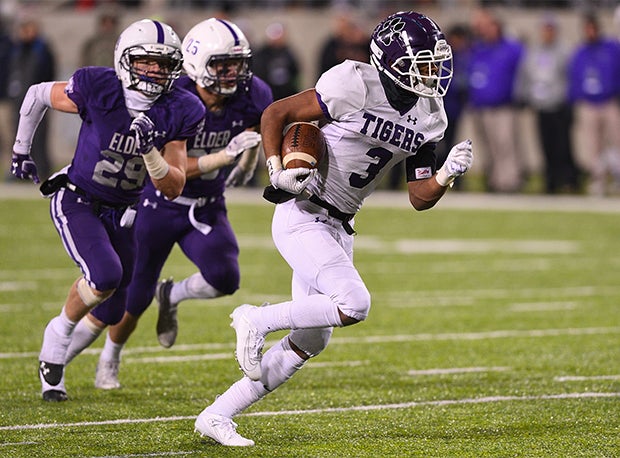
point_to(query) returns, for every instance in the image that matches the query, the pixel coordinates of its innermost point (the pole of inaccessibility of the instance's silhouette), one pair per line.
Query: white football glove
(238, 177)
(289, 180)
(458, 162)
(241, 142)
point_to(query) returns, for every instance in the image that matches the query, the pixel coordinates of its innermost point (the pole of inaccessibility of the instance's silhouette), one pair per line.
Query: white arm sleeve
(214, 161)
(36, 102)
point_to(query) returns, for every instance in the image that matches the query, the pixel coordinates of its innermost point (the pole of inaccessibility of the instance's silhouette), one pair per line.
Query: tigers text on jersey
(105, 164)
(366, 136)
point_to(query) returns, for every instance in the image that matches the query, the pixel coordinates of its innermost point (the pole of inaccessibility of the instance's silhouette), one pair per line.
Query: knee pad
(354, 302)
(311, 341)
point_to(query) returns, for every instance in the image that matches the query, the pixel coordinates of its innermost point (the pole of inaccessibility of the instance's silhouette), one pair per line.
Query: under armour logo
(237, 123)
(390, 30)
(44, 369)
(412, 120)
(148, 203)
(159, 134)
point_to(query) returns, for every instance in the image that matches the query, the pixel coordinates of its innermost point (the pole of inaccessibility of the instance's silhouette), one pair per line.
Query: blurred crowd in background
(571, 90)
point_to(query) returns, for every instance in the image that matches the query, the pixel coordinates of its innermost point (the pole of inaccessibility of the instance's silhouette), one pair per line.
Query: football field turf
(494, 332)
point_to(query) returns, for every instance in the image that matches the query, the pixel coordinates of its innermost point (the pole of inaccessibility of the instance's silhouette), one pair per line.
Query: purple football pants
(160, 224)
(101, 248)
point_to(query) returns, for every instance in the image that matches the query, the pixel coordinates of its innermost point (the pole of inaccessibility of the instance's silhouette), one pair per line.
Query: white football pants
(320, 253)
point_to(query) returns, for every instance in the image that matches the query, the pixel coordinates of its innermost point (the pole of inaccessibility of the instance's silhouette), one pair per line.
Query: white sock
(56, 339)
(111, 350)
(84, 334)
(316, 311)
(279, 364)
(193, 287)
(241, 394)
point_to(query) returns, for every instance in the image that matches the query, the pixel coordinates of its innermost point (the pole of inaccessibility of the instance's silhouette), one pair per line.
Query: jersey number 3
(384, 156)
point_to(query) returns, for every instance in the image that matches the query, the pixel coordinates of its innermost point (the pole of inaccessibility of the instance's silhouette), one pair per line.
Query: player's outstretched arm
(244, 141)
(424, 194)
(37, 100)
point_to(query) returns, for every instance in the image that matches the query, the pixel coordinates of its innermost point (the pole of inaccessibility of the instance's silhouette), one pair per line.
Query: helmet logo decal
(390, 30)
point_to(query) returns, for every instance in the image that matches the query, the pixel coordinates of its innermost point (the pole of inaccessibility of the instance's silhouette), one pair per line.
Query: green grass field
(493, 333)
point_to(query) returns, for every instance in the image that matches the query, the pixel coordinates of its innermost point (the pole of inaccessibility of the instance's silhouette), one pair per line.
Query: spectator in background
(542, 84)
(492, 72)
(32, 62)
(98, 50)
(276, 64)
(347, 41)
(7, 122)
(594, 88)
(455, 100)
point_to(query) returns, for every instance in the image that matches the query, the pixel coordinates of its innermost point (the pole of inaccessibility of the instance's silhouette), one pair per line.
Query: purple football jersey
(242, 110)
(105, 164)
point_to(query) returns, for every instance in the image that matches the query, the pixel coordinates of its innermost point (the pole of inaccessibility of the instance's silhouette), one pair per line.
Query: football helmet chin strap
(399, 99)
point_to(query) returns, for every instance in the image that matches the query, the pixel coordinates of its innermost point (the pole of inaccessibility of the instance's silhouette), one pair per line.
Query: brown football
(303, 145)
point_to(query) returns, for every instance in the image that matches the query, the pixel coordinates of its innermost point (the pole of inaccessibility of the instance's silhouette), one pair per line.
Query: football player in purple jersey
(216, 57)
(374, 116)
(135, 125)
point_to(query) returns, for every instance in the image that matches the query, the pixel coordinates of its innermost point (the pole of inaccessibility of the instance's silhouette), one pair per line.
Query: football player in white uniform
(373, 117)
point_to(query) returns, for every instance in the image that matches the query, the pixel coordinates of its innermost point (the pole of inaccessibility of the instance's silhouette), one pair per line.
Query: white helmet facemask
(148, 60)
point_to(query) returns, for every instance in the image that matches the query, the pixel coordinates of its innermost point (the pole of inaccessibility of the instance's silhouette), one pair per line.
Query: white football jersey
(366, 137)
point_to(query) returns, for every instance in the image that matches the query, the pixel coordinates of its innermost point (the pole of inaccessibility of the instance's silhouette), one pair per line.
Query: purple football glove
(143, 127)
(24, 168)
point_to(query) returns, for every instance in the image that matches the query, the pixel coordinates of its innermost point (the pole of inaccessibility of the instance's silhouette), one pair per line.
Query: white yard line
(542, 306)
(390, 199)
(179, 359)
(404, 405)
(457, 370)
(499, 334)
(373, 244)
(10, 444)
(584, 378)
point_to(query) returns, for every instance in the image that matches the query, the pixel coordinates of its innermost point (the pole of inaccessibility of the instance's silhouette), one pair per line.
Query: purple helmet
(411, 50)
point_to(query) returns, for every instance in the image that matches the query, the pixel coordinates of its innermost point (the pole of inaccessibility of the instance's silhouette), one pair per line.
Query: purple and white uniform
(197, 220)
(366, 137)
(106, 176)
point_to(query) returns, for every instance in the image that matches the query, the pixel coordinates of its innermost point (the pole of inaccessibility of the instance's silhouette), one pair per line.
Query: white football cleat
(106, 377)
(250, 342)
(220, 429)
